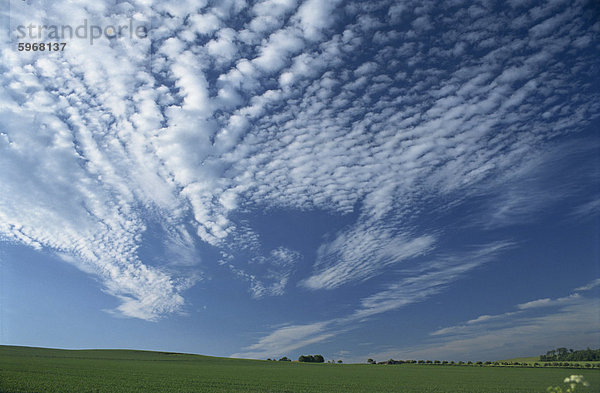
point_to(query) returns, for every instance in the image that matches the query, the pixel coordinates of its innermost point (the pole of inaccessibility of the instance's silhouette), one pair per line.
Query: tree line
(564, 354)
(488, 363)
(307, 359)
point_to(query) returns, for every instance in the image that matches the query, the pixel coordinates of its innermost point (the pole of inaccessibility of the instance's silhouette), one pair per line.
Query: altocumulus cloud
(233, 105)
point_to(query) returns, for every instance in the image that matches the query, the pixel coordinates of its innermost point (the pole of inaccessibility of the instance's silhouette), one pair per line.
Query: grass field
(531, 359)
(50, 370)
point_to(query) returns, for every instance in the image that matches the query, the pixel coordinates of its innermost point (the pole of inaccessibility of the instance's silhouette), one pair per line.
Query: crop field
(50, 370)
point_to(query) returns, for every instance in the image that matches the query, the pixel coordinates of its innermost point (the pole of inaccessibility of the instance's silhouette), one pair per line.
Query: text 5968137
(41, 46)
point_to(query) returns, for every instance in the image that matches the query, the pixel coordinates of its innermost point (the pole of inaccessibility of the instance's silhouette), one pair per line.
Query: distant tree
(311, 358)
(562, 354)
(371, 361)
(284, 359)
(340, 361)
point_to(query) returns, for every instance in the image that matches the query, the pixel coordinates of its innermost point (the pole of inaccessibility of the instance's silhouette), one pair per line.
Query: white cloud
(589, 286)
(395, 12)
(270, 14)
(205, 23)
(366, 68)
(314, 16)
(362, 253)
(573, 327)
(277, 51)
(182, 8)
(223, 48)
(430, 279)
(99, 140)
(571, 323)
(286, 339)
(533, 329)
(479, 319)
(416, 286)
(274, 8)
(588, 209)
(267, 275)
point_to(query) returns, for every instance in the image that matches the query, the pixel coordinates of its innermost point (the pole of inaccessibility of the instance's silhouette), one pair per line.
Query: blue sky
(415, 180)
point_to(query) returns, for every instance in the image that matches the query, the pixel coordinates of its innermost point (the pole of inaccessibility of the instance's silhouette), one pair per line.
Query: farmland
(25, 369)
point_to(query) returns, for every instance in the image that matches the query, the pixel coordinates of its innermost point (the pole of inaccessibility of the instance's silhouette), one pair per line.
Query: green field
(50, 370)
(530, 359)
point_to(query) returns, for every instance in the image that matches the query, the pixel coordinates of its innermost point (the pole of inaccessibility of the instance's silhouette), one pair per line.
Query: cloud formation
(569, 321)
(376, 109)
(285, 339)
(415, 286)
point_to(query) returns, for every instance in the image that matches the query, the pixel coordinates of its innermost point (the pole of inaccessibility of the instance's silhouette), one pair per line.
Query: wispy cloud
(277, 268)
(283, 340)
(569, 321)
(589, 286)
(428, 280)
(416, 286)
(588, 209)
(547, 302)
(362, 253)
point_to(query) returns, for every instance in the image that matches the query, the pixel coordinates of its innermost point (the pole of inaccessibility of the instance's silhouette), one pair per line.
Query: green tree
(311, 358)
